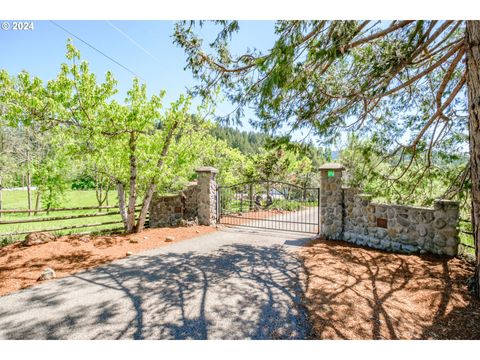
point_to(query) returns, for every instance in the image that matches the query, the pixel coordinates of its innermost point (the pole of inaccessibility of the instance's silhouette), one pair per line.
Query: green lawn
(73, 198)
(17, 199)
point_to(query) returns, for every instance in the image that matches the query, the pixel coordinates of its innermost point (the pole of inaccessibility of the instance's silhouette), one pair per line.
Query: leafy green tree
(407, 84)
(230, 162)
(421, 185)
(7, 160)
(270, 165)
(22, 149)
(281, 164)
(84, 181)
(51, 181)
(132, 141)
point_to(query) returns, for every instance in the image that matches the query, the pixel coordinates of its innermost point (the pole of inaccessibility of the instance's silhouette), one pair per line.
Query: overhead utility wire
(94, 48)
(133, 41)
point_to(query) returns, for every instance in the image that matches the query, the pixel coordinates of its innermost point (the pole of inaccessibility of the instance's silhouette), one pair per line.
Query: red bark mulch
(359, 293)
(20, 266)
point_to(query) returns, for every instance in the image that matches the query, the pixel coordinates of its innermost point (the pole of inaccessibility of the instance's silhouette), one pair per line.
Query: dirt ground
(358, 293)
(20, 266)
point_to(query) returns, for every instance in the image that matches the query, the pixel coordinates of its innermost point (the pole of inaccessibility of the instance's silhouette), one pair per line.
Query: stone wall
(170, 210)
(346, 214)
(195, 204)
(207, 196)
(190, 202)
(331, 200)
(390, 227)
(401, 228)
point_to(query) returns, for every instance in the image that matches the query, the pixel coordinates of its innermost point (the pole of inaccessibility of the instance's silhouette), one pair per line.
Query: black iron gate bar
(272, 205)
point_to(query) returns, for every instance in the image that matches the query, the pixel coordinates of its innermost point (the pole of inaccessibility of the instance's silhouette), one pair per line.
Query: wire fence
(466, 245)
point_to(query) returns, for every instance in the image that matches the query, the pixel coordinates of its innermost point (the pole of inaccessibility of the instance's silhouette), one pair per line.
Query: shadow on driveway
(238, 291)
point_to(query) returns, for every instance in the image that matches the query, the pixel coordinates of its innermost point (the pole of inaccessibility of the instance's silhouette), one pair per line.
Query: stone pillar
(331, 201)
(445, 224)
(207, 195)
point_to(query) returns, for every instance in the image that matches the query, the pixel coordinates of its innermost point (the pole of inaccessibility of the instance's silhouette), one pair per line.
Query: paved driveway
(302, 221)
(231, 284)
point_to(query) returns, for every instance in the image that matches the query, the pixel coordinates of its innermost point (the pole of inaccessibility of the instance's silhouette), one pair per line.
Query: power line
(129, 38)
(94, 48)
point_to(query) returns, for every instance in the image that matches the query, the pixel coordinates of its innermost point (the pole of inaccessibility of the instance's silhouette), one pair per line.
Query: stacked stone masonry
(207, 196)
(401, 228)
(331, 202)
(195, 204)
(345, 214)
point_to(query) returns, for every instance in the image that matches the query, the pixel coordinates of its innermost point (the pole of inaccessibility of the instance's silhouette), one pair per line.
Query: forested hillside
(251, 142)
(248, 142)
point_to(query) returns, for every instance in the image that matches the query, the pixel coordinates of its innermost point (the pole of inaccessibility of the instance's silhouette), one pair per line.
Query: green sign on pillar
(331, 173)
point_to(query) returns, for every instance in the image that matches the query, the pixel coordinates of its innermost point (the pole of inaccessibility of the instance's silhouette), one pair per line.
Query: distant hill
(248, 142)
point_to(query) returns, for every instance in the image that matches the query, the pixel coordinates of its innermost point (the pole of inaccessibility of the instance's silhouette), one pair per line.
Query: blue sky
(160, 62)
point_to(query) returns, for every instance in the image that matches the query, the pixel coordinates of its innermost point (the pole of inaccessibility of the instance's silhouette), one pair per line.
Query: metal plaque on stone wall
(382, 223)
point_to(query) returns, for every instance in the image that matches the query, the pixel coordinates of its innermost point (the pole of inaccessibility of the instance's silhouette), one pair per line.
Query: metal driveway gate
(270, 205)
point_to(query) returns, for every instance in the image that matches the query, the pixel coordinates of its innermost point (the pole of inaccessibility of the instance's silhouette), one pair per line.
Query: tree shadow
(358, 293)
(237, 292)
(24, 273)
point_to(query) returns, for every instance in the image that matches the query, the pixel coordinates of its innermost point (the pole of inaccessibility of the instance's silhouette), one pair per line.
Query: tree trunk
(98, 189)
(145, 205)
(250, 197)
(37, 202)
(473, 85)
(1, 195)
(101, 192)
(29, 184)
(98, 194)
(121, 204)
(152, 187)
(133, 183)
(106, 189)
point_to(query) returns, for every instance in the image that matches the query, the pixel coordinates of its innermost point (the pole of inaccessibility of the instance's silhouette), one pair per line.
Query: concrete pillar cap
(442, 203)
(209, 169)
(445, 201)
(332, 166)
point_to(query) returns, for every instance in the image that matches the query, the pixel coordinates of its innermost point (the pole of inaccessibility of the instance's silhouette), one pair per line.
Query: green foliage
(17, 199)
(418, 183)
(135, 143)
(381, 82)
(248, 142)
(51, 181)
(291, 205)
(230, 162)
(100, 141)
(397, 88)
(281, 164)
(320, 76)
(83, 182)
(391, 180)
